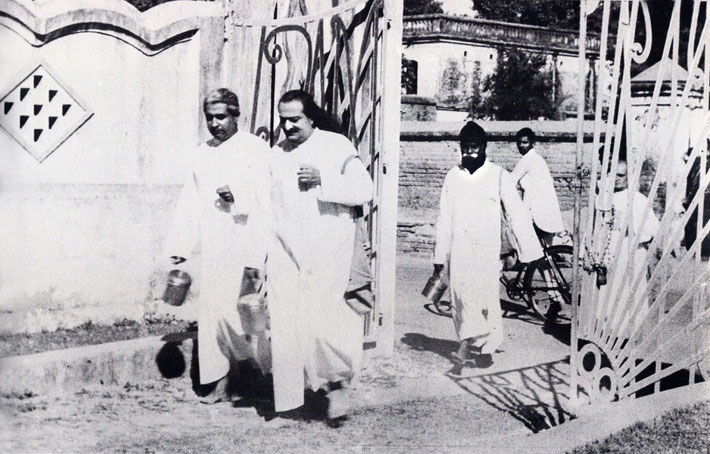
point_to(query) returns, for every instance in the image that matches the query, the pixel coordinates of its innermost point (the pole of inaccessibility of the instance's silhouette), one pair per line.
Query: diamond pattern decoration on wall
(39, 111)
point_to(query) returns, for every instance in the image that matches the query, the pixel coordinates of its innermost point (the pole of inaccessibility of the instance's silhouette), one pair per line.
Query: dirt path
(165, 416)
(408, 404)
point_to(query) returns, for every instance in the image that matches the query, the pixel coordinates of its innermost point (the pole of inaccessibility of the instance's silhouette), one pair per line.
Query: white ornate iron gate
(336, 55)
(643, 321)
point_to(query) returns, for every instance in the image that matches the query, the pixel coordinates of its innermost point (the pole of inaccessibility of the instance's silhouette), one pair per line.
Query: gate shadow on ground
(532, 395)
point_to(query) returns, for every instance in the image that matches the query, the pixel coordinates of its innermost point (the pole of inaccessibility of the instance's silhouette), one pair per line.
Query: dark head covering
(473, 133)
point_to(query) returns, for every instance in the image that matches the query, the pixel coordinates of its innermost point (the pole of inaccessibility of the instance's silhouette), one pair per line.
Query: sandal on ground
(483, 360)
(458, 358)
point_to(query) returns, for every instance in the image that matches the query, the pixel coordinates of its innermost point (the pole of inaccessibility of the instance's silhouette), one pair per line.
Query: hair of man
(526, 132)
(320, 117)
(223, 96)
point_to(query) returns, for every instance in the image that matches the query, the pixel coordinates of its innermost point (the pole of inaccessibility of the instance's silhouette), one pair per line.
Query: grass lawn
(679, 431)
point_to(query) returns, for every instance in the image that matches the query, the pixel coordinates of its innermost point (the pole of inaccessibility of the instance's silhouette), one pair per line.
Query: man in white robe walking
(225, 208)
(468, 239)
(532, 177)
(318, 180)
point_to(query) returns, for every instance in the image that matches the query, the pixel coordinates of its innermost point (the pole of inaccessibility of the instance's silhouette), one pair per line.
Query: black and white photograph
(355, 226)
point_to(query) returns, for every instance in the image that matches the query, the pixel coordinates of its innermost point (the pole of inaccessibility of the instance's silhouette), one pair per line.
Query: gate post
(390, 124)
(578, 162)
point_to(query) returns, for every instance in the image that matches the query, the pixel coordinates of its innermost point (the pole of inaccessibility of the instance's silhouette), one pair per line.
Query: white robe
(533, 177)
(468, 234)
(625, 305)
(315, 336)
(229, 240)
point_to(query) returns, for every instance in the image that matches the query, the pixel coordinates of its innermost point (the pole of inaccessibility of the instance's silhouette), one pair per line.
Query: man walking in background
(318, 180)
(473, 198)
(532, 177)
(224, 207)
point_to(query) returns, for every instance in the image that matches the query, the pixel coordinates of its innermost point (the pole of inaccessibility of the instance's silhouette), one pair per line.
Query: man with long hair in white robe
(318, 180)
(468, 232)
(225, 208)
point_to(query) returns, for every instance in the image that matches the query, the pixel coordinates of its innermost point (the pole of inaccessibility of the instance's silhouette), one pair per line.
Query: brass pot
(435, 288)
(177, 288)
(253, 314)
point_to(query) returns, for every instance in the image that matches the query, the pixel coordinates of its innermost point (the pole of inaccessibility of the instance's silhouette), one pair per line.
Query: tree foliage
(414, 7)
(545, 13)
(519, 89)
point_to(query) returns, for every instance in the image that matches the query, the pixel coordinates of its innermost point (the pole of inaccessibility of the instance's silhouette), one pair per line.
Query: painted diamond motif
(40, 112)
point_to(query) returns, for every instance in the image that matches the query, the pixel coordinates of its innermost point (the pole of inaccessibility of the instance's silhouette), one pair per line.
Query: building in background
(449, 56)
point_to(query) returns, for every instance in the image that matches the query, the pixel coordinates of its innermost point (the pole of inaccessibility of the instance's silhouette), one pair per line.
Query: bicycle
(543, 282)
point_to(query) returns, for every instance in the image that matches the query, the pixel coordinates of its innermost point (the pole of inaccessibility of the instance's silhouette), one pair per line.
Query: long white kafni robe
(625, 304)
(313, 330)
(468, 239)
(533, 177)
(231, 238)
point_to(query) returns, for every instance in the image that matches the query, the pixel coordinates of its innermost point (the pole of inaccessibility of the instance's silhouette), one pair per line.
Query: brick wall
(430, 149)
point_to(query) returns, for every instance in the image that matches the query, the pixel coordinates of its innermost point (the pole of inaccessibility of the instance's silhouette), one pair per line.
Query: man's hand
(252, 273)
(438, 267)
(225, 194)
(250, 282)
(308, 177)
(176, 260)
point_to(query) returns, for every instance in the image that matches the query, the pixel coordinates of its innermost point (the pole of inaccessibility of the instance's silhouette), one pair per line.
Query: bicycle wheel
(546, 284)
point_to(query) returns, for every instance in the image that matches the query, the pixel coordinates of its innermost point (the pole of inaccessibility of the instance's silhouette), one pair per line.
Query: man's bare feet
(218, 394)
(461, 355)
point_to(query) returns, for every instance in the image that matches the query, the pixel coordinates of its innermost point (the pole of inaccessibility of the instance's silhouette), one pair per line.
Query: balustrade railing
(478, 30)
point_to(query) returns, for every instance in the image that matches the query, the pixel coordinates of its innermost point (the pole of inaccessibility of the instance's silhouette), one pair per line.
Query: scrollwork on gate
(646, 326)
(597, 377)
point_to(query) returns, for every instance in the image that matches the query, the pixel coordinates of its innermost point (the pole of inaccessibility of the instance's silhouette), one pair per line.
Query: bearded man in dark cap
(474, 198)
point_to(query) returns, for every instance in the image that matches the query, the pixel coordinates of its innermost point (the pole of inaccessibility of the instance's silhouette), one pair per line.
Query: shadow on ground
(423, 343)
(531, 395)
(247, 386)
(516, 311)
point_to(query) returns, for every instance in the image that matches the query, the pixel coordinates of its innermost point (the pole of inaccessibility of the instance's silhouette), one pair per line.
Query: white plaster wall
(84, 228)
(432, 58)
(567, 71)
(144, 119)
(452, 116)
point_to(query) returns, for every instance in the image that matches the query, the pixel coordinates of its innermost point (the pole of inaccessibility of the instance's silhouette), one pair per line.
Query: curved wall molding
(42, 21)
(150, 32)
